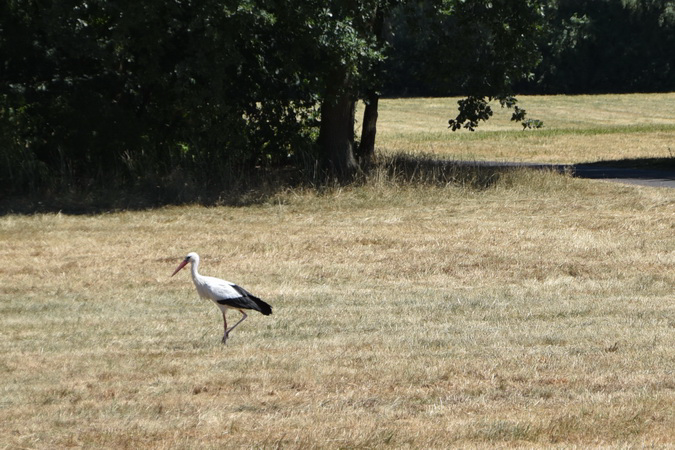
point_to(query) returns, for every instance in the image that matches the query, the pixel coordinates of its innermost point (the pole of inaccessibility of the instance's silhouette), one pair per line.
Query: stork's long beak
(180, 266)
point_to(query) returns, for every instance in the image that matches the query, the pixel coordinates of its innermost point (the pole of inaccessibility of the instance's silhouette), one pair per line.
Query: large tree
(120, 89)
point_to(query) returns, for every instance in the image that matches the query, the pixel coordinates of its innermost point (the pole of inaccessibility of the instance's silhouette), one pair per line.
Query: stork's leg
(225, 327)
(244, 316)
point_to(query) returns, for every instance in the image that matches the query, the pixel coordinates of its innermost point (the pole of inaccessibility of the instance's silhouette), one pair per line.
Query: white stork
(223, 293)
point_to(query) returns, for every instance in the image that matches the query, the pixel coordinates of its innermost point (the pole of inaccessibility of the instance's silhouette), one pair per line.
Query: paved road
(643, 177)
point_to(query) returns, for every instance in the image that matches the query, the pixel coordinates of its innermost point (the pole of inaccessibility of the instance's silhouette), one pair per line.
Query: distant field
(576, 129)
(531, 310)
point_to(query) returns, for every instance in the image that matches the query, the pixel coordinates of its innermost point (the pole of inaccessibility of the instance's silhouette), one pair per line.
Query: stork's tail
(263, 307)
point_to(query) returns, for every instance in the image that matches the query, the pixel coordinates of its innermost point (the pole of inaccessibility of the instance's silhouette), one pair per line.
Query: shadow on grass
(666, 164)
(259, 187)
(427, 170)
(178, 189)
(254, 188)
(657, 172)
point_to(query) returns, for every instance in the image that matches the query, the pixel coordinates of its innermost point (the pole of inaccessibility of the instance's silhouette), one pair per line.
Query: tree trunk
(336, 136)
(369, 129)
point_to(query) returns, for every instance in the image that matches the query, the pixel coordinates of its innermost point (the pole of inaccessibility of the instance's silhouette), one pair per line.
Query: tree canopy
(118, 92)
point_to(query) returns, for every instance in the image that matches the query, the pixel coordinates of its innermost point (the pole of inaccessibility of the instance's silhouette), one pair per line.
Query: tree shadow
(429, 170)
(637, 163)
(484, 174)
(628, 169)
(257, 188)
(250, 188)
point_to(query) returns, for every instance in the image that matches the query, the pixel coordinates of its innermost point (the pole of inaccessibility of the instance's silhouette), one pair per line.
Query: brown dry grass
(576, 129)
(537, 312)
(534, 312)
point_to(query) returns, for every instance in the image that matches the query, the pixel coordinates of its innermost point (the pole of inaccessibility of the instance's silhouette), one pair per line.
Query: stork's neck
(194, 267)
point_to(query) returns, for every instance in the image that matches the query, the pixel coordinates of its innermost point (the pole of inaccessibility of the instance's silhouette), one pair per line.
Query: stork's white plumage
(224, 294)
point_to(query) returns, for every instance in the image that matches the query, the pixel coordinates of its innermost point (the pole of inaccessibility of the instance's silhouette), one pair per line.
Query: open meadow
(536, 310)
(577, 129)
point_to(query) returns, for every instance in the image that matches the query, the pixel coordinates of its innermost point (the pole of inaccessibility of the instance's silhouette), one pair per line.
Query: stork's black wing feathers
(246, 301)
(243, 292)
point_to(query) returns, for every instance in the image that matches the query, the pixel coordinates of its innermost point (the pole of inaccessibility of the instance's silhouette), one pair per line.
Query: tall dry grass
(537, 310)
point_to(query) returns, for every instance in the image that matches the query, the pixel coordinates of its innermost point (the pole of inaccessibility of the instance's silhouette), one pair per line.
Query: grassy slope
(537, 311)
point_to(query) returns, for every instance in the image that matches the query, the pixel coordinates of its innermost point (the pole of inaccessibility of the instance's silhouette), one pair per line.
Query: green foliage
(603, 46)
(112, 92)
(480, 49)
(118, 90)
(452, 47)
(473, 109)
(607, 46)
(122, 93)
(532, 123)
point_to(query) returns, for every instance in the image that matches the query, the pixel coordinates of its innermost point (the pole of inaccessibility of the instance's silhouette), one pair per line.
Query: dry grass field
(537, 311)
(576, 129)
